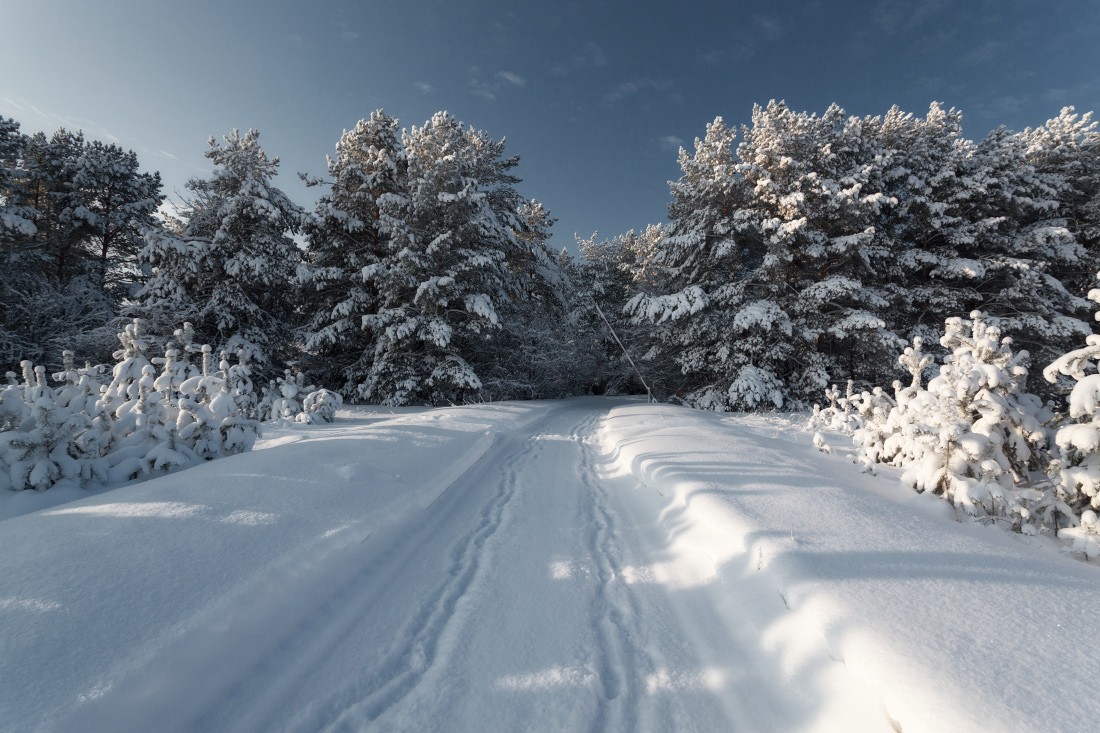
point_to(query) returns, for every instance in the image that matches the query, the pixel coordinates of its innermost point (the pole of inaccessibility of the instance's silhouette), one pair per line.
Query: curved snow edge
(677, 453)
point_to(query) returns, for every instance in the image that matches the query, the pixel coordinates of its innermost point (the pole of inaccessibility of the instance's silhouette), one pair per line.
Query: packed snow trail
(580, 565)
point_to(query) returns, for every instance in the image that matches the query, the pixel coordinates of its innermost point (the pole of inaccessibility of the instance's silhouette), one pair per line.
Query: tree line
(798, 250)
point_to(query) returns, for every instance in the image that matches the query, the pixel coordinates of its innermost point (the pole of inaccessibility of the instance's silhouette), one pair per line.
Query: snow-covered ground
(585, 564)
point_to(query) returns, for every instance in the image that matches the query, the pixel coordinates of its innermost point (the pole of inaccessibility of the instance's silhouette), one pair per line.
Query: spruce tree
(345, 235)
(231, 263)
(455, 262)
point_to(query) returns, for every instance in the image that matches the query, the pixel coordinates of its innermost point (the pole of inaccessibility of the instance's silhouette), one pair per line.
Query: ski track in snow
(288, 649)
(405, 666)
(625, 662)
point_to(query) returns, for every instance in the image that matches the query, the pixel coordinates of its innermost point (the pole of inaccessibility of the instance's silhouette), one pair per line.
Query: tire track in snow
(624, 661)
(290, 639)
(423, 641)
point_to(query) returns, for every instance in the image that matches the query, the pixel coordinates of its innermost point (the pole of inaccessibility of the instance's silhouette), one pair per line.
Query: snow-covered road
(576, 565)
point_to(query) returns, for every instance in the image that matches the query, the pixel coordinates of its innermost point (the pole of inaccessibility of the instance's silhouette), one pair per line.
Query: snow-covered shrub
(875, 408)
(290, 399)
(139, 423)
(41, 451)
(320, 405)
(13, 410)
(1075, 471)
(973, 435)
(842, 414)
(1086, 536)
(214, 413)
(121, 395)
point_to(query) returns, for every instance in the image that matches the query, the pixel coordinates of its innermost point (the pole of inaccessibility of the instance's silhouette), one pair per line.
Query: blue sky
(595, 96)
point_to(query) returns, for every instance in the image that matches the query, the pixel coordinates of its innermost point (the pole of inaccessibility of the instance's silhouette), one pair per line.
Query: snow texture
(586, 564)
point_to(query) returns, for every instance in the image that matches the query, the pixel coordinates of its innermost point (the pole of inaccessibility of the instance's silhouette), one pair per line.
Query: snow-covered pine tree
(708, 274)
(1075, 471)
(345, 235)
(533, 355)
(230, 266)
(1065, 156)
(87, 204)
(445, 281)
(114, 208)
(930, 278)
(16, 215)
(1025, 251)
(774, 256)
(818, 194)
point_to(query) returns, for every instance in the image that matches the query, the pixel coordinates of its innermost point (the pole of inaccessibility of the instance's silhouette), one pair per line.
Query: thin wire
(649, 394)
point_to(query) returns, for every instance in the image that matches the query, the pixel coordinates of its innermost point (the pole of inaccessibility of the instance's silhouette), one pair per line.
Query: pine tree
(229, 267)
(115, 208)
(1026, 253)
(446, 281)
(76, 210)
(16, 216)
(708, 274)
(1065, 156)
(347, 234)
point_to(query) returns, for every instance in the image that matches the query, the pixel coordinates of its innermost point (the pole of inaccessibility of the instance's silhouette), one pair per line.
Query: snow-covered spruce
(464, 266)
(974, 435)
(347, 233)
(229, 264)
(140, 422)
(291, 399)
(1075, 471)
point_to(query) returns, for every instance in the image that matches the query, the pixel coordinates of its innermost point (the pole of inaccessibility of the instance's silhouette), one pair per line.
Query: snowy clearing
(583, 564)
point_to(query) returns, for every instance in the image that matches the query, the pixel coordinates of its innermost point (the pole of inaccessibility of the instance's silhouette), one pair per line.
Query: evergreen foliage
(73, 215)
(814, 249)
(135, 424)
(230, 262)
(346, 234)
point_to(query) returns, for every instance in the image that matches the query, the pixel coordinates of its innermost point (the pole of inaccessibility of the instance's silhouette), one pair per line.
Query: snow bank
(954, 626)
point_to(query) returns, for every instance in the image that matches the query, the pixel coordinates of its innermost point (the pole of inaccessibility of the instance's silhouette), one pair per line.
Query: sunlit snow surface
(581, 565)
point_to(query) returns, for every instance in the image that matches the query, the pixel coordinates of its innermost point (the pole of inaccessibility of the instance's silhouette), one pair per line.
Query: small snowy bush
(973, 436)
(290, 399)
(137, 423)
(1075, 470)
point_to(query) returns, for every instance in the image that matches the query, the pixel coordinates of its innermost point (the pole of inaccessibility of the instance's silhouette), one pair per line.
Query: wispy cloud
(903, 16)
(769, 26)
(489, 88)
(35, 119)
(508, 77)
(634, 86)
(589, 57)
(670, 142)
(349, 35)
(983, 54)
(424, 87)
